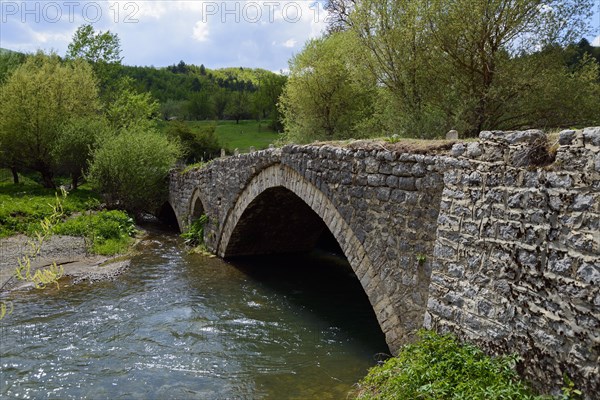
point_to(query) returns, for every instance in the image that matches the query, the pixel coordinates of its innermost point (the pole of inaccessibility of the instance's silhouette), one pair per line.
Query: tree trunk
(15, 174)
(48, 179)
(74, 181)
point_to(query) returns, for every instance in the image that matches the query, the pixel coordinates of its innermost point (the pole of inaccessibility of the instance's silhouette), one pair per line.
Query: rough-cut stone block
(592, 136)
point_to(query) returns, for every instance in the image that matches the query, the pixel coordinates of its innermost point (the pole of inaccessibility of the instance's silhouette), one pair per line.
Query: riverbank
(70, 252)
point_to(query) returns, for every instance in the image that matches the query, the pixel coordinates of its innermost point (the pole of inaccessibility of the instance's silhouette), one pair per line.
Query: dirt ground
(67, 251)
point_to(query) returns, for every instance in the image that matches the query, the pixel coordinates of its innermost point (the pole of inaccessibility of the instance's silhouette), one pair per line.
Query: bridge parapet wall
(517, 255)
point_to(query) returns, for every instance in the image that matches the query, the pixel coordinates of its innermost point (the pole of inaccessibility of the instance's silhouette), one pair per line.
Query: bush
(108, 232)
(197, 145)
(195, 234)
(130, 169)
(438, 367)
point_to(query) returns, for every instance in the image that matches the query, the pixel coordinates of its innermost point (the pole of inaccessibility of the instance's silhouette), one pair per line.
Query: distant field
(241, 136)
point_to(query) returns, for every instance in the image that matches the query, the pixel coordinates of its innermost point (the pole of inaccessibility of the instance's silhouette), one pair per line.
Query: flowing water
(179, 326)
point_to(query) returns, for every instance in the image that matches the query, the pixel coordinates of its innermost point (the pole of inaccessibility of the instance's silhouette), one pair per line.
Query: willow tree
(38, 99)
(482, 40)
(458, 63)
(323, 97)
(396, 42)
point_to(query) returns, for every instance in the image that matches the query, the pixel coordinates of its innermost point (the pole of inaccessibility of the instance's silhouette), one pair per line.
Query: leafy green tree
(130, 108)
(239, 105)
(173, 109)
(396, 49)
(197, 145)
(220, 100)
(130, 168)
(101, 49)
(9, 61)
(323, 99)
(200, 105)
(37, 100)
(480, 39)
(75, 143)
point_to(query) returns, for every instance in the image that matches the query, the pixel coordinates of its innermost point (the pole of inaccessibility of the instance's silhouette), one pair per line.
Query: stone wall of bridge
(495, 241)
(517, 256)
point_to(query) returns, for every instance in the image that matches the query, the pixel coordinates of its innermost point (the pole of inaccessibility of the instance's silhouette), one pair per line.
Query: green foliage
(468, 65)
(200, 144)
(37, 100)
(195, 234)
(75, 143)
(130, 169)
(107, 232)
(23, 206)
(569, 391)
(242, 136)
(323, 98)
(131, 109)
(9, 61)
(101, 49)
(438, 367)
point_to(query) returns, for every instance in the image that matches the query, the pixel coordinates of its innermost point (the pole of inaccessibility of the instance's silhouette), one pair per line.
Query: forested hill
(176, 82)
(191, 92)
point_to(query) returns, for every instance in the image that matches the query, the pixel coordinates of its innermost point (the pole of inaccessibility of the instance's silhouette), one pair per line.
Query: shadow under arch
(166, 214)
(290, 191)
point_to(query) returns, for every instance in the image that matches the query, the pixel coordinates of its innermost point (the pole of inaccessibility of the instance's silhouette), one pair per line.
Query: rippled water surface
(179, 326)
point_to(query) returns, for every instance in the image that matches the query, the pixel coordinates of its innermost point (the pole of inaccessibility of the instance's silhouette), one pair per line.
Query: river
(181, 326)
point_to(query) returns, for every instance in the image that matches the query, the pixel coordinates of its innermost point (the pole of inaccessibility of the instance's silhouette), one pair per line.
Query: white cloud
(162, 32)
(201, 31)
(596, 42)
(290, 43)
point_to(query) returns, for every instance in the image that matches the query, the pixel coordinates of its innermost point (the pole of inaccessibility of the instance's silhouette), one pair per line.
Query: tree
(130, 169)
(397, 51)
(480, 39)
(200, 105)
(101, 49)
(37, 100)
(9, 61)
(238, 106)
(220, 100)
(197, 145)
(474, 49)
(323, 98)
(130, 108)
(75, 142)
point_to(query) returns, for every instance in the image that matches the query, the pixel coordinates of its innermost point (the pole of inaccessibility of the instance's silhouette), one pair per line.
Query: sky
(222, 33)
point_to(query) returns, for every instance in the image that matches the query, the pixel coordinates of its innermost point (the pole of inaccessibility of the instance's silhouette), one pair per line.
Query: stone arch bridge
(475, 240)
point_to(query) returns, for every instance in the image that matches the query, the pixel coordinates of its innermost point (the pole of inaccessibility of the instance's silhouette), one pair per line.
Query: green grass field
(23, 206)
(242, 136)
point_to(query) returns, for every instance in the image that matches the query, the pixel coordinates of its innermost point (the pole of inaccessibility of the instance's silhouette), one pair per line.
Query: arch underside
(280, 211)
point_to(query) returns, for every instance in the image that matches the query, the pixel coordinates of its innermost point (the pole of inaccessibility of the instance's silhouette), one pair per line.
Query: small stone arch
(196, 207)
(166, 213)
(279, 175)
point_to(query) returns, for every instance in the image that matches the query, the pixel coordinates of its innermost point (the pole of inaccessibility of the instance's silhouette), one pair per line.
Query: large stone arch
(281, 176)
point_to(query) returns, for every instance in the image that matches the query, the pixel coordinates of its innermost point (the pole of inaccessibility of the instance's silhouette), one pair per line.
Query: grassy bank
(24, 206)
(439, 367)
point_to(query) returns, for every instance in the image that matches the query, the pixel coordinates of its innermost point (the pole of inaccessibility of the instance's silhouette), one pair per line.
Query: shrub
(108, 232)
(130, 169)
(195, 234)
(197, 145)
(438, 367)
